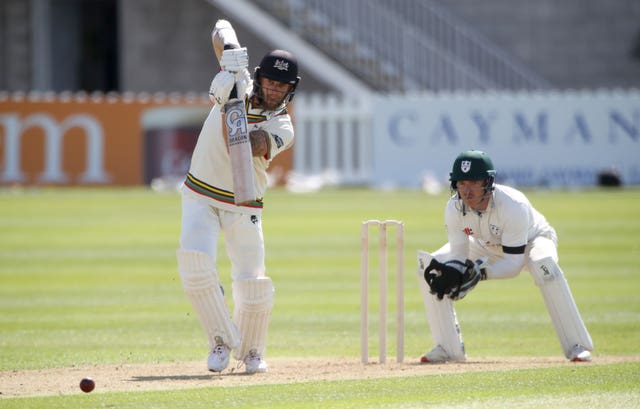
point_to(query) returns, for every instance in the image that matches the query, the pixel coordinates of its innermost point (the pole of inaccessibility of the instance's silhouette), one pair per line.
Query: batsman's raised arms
(234, 123)
(223, 37)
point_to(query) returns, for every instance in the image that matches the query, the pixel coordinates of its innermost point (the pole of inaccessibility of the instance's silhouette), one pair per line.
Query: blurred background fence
(101, 92)
(535, 138)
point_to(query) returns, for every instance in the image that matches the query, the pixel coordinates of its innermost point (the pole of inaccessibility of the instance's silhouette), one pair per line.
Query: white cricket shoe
(579, 354)
(253, 362)
(219, 356)
(436, 355)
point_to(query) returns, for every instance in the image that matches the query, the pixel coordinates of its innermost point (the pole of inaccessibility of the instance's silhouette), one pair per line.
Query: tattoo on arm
(259, 144)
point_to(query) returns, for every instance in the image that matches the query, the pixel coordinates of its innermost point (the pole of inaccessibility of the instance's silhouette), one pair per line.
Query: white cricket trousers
(202, 224)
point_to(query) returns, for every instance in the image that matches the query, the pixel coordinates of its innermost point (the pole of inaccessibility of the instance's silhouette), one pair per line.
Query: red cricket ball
(87, 385)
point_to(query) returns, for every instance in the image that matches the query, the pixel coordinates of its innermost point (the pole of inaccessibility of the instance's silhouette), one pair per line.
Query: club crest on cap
(465, 166)
(281, 65)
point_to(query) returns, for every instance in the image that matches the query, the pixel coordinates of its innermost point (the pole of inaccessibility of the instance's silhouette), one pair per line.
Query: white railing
(390, 140)
(333, 138)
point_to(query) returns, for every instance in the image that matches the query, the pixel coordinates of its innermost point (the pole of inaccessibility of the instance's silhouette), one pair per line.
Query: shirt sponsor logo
(236, 121)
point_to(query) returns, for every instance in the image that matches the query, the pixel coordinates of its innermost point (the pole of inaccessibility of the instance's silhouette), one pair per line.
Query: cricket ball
(87, 385)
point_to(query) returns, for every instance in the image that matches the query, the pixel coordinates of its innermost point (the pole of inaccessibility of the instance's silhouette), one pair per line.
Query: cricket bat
(234, 123)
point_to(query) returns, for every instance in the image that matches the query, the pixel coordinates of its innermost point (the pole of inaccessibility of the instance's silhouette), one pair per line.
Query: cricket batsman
(494, 232)
(209, 209)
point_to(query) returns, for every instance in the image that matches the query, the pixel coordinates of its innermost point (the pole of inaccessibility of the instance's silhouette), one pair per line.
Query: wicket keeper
(494, 232)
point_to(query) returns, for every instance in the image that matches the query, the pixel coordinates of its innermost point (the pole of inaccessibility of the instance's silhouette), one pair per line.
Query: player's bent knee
(545, 270)
(255, 291)
(196, 269)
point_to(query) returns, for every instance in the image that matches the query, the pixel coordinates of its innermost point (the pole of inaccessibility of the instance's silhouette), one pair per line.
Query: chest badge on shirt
(495, 230)
(468, 231)
(279, 141)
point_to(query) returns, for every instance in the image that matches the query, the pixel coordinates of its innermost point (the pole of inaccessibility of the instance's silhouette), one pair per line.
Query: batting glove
(243, 82)
(221, 87)
(234, 60)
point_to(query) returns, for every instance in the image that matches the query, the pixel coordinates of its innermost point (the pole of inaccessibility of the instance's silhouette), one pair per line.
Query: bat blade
(234, 123)
(237, 133)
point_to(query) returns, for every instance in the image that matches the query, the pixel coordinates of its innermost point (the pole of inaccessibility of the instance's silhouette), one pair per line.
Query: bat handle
(234, 92)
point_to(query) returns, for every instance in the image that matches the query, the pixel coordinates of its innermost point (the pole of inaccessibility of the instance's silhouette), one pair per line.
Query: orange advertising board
(102, 140)
(96, 140)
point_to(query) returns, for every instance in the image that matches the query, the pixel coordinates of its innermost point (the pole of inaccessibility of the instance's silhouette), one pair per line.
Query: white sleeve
(458, 239)
(280, 131)
(516, 231)
(514, 240)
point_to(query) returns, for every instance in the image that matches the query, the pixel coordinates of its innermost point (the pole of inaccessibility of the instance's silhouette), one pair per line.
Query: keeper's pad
(560, 303)
(253, 301)
(441, 315)
(202, 286)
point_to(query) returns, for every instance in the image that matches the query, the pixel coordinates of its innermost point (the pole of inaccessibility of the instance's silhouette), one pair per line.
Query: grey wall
(572, 43)
(15, 45)
(166, 46)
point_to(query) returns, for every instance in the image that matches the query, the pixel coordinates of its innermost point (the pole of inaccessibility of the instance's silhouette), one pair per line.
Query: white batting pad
(560, 303)
(202, 286)
(253, 300)
(441, 315)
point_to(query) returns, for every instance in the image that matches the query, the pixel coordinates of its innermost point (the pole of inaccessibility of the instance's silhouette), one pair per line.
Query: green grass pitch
(88, 276)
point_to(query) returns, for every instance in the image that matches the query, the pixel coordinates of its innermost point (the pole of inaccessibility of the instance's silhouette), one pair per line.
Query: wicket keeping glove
(454, 278)
(473, 273)
(441, 278)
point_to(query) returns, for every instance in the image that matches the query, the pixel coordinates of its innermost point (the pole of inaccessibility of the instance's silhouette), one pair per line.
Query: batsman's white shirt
(509, 223)
(210, 175)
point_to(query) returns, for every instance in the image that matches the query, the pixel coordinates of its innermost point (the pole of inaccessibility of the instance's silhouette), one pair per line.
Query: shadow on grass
(155, 378)
(171, 378)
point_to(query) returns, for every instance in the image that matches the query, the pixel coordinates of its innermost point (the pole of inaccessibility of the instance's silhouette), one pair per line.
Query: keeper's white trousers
(542, 262)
